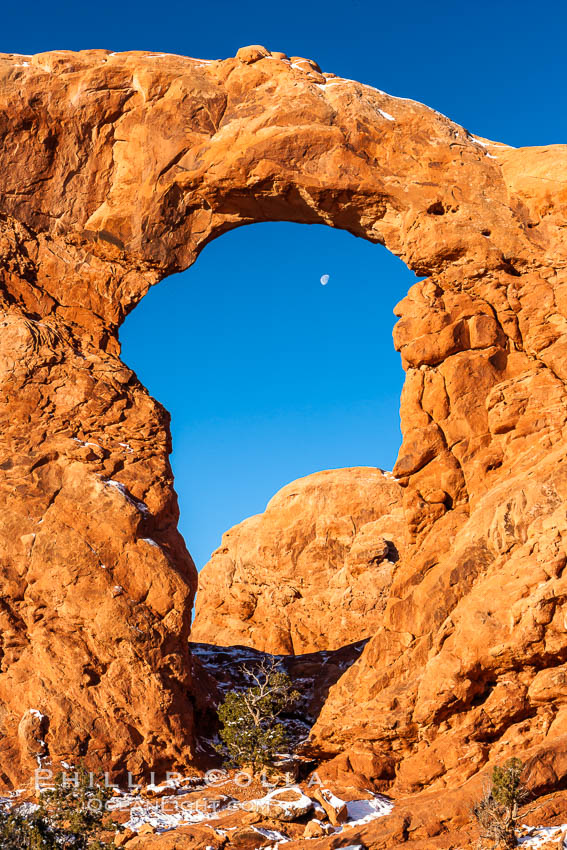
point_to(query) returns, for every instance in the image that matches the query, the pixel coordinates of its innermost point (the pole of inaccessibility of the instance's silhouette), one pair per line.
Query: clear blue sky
(267, 374)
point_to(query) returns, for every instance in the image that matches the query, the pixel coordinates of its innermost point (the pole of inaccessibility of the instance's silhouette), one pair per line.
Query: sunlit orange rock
(115, 171)
(313, 572)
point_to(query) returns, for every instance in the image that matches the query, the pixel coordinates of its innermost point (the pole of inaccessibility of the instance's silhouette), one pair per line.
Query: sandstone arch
(115, 170)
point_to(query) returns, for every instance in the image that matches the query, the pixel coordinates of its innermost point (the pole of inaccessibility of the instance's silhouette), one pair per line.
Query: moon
(324, 279)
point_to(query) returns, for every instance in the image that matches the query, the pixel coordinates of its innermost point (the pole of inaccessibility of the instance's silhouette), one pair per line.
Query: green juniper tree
(251, 730)
(497, 812)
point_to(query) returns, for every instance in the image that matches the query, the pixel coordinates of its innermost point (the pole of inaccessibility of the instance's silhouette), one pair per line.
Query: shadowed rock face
(312, 675)
(115, 170)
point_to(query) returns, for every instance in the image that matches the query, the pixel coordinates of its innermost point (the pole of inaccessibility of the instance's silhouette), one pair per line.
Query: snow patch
(332, 799)
(169, 812)
(392, 96)
(82, 443)
(272, 834)
(288, 807)
(162, 820)
(141, 506)
(539, 835)
(488, 144)
(35, 713)
(364, 811)
(325, 86)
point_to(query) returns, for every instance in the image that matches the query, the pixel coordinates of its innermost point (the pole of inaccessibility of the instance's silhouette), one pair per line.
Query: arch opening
(267, 374)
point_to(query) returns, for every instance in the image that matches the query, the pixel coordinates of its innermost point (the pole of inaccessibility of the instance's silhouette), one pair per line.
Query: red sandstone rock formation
(313, 572)
(115, 170)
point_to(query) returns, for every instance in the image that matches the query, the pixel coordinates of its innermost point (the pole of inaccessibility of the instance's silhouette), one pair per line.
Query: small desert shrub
(251, 730)
(22, 830)
(71, 816)
(498, 811)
